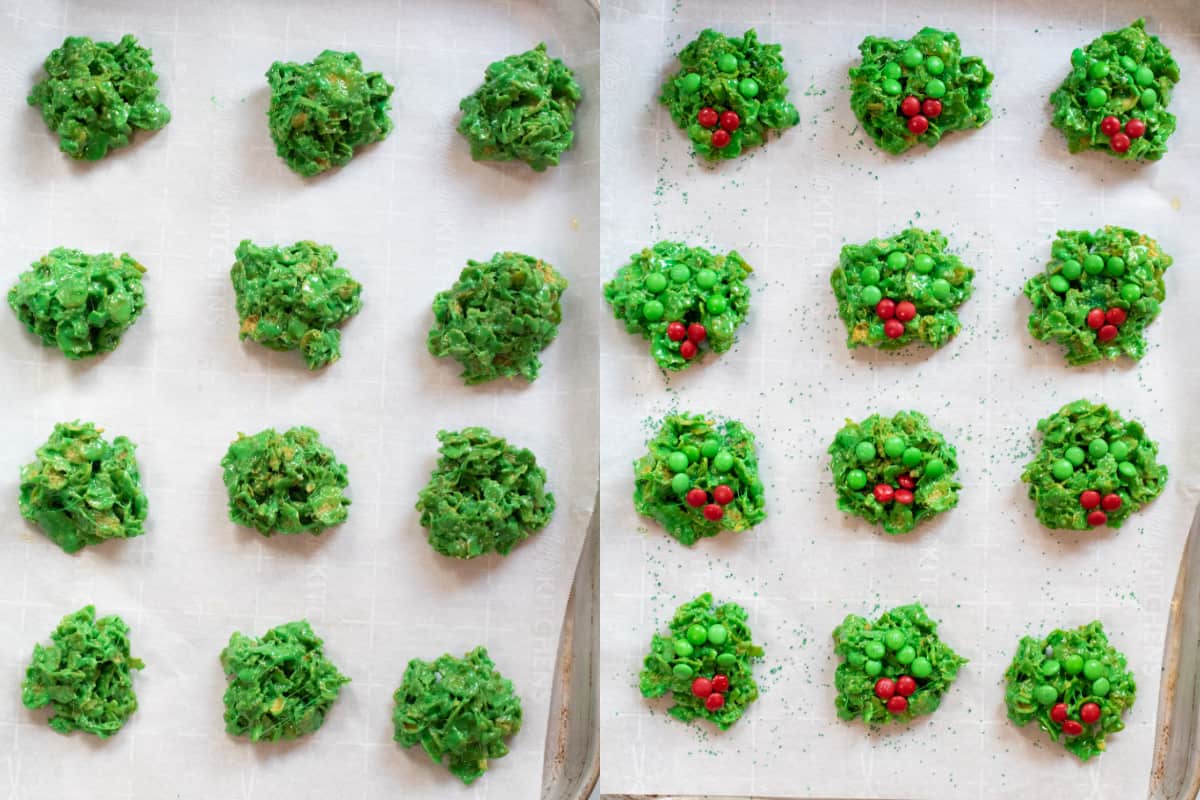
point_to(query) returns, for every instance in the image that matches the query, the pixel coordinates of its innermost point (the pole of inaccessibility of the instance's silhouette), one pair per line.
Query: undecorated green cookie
(706, 663)
(1074, 684)
(460, 710)
(1092, 469)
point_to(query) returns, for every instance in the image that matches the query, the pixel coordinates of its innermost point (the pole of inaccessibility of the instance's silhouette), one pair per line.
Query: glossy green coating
(96, 94)
(934, 666)
(685, 301)
(78, 302)
(936, 490)
(286, 482)
(281, 685)
(1077, 424)
(1110, 76)
(498, 317)
(654, 496)
(962, 83)
(1062, 316)
(460, 710)
(760, 112)
(936, 321)
(523, 110)
(294, 298)
(732, 657)
(83, 490)
(85, 676)
(1026, 676)
(484, 495)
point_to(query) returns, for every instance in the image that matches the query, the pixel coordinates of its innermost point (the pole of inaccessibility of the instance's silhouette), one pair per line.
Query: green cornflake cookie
(484, 495)
(894, 669)
(498, 316)
(281, 685)
(680, 298)
(1074, 683)
(85, 675)
(524, 110)
(917, 90)
(892, 292)
(705, 663)
(460, 710)
(78, 302)
(700, 477)
(96, 94)
(82, 490)
(294, 298)
(1115, 97)
(322, 111)
(285, 483)
(1093, 468)
(1099, 292)
(894, 472)
(729, 94)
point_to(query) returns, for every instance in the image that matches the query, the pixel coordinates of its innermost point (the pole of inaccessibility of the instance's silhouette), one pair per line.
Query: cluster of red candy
(1088, 712)
(711, 691)
(713, 511)
(894, 315)
(920, 112)
(1105, 322)
(728, 122)
(690, 335)
(885, 493)
(895, 693)
(1092, 502)
(1120, 141)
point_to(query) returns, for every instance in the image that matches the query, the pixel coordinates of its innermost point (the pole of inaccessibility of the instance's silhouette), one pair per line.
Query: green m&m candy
(892, 70)
(1115, 266)
(897, 260)
(1119, 450)
(690, 83)
(655, 282)
(1096, 97)
(706, 279)
(923, 263)
(1093, 669)
(727, 62)
(680, 273)
(697, 635)
(891, 86)
(912, 457)
(653, 310)
(934, 65)
(1131, 292)
(893, 446)
(748, 88)
(1100, 686)
(677, 461)
(1045, 694)
(1144, 76)
(871, 296)
(912, 57)
(1075, 455)
(864, 451)
(894, 639)
(683, 648)
(906, 654)
(726, 660)
(1097, 449)
(1071, 269)
(873, 668)
(856, 479)
(935, 88)
(1061, 470)
(717, 304)
(1073, 664)
(921, 668)
(717, 634)
(936, 468)
(869, 275)
(940, 289)
(1059, 284)
(722, 461)
(709, 448)
(1093, 264)
(874, 650)
(682, 671)
(680, 483)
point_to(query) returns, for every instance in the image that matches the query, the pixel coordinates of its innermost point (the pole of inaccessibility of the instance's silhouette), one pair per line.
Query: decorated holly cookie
(729, 94)
(894, 472)
(1093, 469)
(917, 90)
(700, 477)
(893, 669)
(1098, 293)
(705, 663)
(1074, 684)
(892, 292)
(1115, 97)
(685, 300)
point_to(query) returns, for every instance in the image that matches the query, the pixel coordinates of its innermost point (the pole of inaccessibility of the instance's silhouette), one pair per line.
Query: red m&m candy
(1119, 143)
(918, 124)
(904, 497)
(730, 121)
(707, 117)
(1135, 128)
(714, 702)
(897, 704)
(1089, 499)
(676, 332)
(885, 308)
(723, 495)
(1106, 333)
(885, 688)
(1097, 518)
(910, 106)
(720, 683)
(1110, 125)
(906, 481)
(1058, 712)
(702, 687)
(1072, 728)
(1095, 318)
(720, 138)
(1089, 713)
(893, 328)
(713, 512)
(1115, 316)
(688, 350)
(1111, 502)
(932, 108)
(884, 493)
(905, 685)
(905, 311)
(696, 497)
(696, 332)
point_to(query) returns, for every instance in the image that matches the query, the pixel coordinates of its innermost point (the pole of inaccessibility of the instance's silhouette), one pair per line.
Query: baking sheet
(404, 216)
(987, 570)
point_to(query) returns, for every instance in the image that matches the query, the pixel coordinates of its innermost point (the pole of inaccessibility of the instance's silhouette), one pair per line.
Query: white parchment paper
(987, 569)
(404, 216)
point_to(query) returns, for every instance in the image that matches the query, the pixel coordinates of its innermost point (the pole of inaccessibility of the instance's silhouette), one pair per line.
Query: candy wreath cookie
(1093, 468)
(524, 110)
(285, 482)
(917, 90)
(82, 489)
(498, 317)
(729, 94)
(323, 111)
(1074, 684)
(684, 300)
(281, 685)
(460, 710)
(706, 663)
(80, 303)
(96, 94)
(294, 298)
(484, 495)
(1098, 293)
(1115, 97)
(85, 676)
(893, 669)
(700, 477)
(895, 472)
(892, 292)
